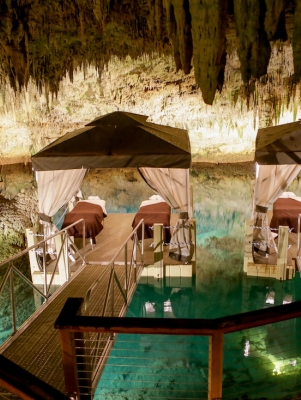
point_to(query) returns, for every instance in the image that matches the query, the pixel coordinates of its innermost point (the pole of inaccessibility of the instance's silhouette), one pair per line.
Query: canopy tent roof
(279, 144)
(117, 140)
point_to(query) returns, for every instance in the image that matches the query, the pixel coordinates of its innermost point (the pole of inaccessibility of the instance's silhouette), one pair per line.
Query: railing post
(84, 238)
(112, 290)
(66, 257)
(282, 252)
(298, 258)
(44, 269)
(12, 298)
(69, 363)
(142, 243)
(192, 226)
(126, 269)
(135, 254)
(31, 241)
(215, 370)
(62, 256)
(158, 251)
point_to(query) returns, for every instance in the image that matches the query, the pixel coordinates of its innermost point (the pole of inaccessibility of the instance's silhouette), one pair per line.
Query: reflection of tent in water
(163, 302)
(149, 301)
(182, 302)
(116, 140)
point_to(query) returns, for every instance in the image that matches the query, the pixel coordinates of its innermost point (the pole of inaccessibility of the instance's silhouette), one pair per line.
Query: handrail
(23, 252)
(71, 325)
(111, 263)
(95, 362)
(11, 268)
(69, 320)
(126, 241)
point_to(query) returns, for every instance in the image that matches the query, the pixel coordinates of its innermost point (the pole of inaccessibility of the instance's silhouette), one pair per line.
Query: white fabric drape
(271, 182)
(56, 188)
(173, 185)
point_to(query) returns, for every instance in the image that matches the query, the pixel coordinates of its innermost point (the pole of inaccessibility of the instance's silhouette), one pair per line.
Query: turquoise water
(258, 363)
(261, 363)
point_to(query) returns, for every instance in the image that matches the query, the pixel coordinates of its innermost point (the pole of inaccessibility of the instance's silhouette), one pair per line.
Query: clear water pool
(261, 363)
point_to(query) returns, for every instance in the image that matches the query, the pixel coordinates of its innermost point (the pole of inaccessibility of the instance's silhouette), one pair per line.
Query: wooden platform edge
(268, 270)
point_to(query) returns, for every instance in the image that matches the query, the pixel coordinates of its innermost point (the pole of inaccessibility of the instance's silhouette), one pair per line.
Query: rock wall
(18, 207)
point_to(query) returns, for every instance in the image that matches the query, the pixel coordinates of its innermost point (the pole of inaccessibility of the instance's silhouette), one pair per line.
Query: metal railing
(72, 326)
(84, 370)
(62, 258)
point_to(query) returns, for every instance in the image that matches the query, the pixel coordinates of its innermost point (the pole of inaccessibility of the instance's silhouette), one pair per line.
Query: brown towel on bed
(93, 216)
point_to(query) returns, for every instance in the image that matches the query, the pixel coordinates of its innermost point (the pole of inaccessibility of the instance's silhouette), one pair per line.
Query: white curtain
(56, 188)
(173, 185)
(271, 182)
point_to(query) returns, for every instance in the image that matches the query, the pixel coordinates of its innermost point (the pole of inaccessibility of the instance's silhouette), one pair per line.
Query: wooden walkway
(36, 346)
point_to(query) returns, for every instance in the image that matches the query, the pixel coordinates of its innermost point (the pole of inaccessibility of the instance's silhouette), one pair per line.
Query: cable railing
(17, 288)
(204, 380)
(269, 364)
(94, 347)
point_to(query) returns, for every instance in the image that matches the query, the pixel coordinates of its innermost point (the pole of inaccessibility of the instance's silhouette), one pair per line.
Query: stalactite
(296, 43)
(209, 23)
(274, 23)
(179, 31)
(254, 49)
(45, 40)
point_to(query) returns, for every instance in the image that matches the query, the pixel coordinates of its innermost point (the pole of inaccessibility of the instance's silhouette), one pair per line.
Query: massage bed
(93, 211)
(285, 211)
(153, 211)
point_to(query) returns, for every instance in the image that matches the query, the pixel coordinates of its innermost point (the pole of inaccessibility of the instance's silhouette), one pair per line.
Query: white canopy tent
(277, 155)
(57, 186)
(173, 185)
(271, 182)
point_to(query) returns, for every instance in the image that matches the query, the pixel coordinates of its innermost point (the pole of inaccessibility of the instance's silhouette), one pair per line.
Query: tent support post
(158, 251)
(192, 223)
(282, 252)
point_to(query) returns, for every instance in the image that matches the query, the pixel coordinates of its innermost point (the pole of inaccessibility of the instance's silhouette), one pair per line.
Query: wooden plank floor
(36, 346)
(117, 227)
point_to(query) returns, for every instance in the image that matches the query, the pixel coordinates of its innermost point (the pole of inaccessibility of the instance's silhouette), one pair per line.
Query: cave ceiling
(45, 40)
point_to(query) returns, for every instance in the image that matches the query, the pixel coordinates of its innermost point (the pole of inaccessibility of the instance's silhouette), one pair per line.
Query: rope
(40, 251)
(176, 243)
(39, 234)
(168, 227)
(268, 245)
(268, 228)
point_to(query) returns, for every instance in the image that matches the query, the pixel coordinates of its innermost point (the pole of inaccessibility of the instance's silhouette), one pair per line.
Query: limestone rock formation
(46, 40)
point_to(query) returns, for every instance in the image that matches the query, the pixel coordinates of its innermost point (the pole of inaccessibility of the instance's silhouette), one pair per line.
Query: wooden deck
(255, 265)
(117, 227)
(36, 346)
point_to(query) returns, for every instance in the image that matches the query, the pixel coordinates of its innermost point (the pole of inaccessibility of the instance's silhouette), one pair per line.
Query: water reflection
(222, 203)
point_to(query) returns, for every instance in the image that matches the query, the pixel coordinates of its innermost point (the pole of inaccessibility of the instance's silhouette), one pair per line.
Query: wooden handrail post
(69, 363)
(215, 370)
